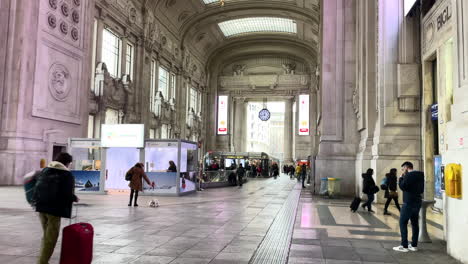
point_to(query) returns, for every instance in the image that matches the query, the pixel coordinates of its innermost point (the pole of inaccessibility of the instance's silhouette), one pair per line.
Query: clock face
(264, 114)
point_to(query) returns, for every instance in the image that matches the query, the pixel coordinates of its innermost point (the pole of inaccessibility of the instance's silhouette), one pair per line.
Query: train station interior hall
(242, 129)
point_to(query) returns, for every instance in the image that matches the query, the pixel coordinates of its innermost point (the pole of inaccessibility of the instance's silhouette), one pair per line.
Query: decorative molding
(272, 81)
(59, 84)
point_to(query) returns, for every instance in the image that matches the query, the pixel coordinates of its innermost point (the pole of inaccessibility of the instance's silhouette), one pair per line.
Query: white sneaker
(411, 248)
(400, 249)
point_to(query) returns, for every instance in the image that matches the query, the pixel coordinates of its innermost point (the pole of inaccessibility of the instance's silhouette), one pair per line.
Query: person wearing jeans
(411, 183)
(368, 185)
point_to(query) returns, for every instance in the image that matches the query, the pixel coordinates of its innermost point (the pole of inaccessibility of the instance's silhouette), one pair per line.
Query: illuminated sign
(222, 115)
(122, 136)
(408, 6)
(303, 115)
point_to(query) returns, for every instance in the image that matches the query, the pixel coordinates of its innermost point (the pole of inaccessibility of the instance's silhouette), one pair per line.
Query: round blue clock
(264, 114)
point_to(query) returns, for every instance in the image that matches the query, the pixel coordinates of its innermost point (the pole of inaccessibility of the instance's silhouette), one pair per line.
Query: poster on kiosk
(123, 144)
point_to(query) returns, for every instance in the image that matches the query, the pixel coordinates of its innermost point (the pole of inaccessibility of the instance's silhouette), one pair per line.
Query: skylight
(257, 24)
(210, 1)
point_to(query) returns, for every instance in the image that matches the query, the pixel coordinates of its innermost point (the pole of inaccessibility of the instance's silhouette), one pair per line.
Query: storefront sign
(84, 144)
(123, 136)
(461, 142)
(444, 17)
(222, 115)
(303, 114)
(434, 112)
(161, 144)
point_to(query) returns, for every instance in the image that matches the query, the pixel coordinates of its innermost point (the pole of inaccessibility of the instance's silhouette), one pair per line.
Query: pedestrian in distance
(240, 174)
(53, 198)
(411, 182)
(172, 167)
(369, 188)
(391, 187)
(136, 175)
(303, 174)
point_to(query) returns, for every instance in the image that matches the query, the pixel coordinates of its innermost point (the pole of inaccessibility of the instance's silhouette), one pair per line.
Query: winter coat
(412, 185)
(391, 184)
(240, 171)
(54, 193)
(368, 184)
(136, 183)
(172, 168)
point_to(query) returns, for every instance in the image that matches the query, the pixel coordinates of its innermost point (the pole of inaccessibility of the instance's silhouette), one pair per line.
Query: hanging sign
(222, 114)
(434, 112)
(304, 115)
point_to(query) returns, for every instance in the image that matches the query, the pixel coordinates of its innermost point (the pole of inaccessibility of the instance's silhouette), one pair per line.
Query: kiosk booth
(100, 165)
(87, 165)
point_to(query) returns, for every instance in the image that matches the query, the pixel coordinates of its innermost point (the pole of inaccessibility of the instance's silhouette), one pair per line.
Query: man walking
(53, 199)
(303, 174)
(240, 174)
(411, 182)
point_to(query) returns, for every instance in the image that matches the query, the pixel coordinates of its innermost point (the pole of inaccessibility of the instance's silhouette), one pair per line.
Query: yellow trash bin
(334, 186)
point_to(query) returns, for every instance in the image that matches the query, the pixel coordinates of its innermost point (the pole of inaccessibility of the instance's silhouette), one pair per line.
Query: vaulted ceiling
(197, 25)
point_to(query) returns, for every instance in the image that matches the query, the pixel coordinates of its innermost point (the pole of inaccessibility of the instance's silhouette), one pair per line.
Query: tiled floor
(257, 223)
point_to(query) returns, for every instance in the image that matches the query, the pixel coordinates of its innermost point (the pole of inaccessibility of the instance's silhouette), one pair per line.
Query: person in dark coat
(411, 182)
(240, 174)
(292, 170)
(136, 182)
(254, 170)
(368, 188)
(53, 198)
(391, 190)
(303, 174)
(172, 167)
(275, 170)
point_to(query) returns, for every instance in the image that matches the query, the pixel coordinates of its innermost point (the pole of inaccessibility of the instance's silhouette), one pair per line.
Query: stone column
(239, 124)
(288, 131)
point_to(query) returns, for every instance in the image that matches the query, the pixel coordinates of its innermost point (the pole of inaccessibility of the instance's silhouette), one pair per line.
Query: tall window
(163, 82)
(193, 99)
(153, 86)
(111, 48)
(93, 54)
(173, 86)
(199, 101)
(129, 58)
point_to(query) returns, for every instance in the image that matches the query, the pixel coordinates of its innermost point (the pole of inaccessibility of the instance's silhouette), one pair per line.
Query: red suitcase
(77, 244)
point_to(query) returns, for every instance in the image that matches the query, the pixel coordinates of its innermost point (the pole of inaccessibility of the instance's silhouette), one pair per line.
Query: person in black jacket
(240, 174)
(391, 190)
(172, 167)
(53, 199)
(411, 182)
(368, 187)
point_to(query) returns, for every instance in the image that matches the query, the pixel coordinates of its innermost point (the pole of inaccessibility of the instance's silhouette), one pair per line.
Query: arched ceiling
(196, 24)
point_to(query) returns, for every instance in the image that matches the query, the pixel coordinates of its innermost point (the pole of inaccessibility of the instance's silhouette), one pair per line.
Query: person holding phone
(411, 182)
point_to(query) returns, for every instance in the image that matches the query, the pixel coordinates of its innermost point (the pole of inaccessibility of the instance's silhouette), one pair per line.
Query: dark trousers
(240, 180)
(409, 213)
(303, 181)
(370, 199)
(131, 196)
(389, 200)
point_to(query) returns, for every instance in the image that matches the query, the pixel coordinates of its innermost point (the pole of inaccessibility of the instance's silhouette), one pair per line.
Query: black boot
(131, 198)
(136, 198)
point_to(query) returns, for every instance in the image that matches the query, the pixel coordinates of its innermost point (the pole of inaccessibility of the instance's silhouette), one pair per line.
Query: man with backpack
(53, 198)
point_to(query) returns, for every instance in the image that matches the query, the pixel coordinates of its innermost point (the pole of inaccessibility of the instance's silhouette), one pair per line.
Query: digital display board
(122, 136)
(222, 115)
(304, 115)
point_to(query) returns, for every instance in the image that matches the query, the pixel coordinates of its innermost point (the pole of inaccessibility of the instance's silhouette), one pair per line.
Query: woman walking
(369, 188)
(391, 190)
(136, 182)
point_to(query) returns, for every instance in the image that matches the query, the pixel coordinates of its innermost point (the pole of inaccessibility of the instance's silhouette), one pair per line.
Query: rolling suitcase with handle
(355, 204)
(77, 243)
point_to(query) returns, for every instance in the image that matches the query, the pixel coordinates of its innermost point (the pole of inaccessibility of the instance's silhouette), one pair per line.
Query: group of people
(300, 171)
(411, 183)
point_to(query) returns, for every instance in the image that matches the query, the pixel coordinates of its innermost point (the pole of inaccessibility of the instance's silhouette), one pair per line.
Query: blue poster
(165, 182)
(438, 176)
(86, 181)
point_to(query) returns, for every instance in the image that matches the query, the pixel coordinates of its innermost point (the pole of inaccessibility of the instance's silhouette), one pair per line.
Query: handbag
(393, 194)
(375, 189)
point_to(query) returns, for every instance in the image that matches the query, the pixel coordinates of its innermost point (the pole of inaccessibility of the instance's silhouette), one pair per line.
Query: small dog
(154, 203)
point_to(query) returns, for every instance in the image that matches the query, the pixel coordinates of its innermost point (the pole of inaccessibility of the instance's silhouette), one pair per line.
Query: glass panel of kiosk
(189, 167)
(86, 167)
(158, 154)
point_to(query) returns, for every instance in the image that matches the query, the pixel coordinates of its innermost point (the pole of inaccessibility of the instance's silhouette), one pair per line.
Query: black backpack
(128, 176)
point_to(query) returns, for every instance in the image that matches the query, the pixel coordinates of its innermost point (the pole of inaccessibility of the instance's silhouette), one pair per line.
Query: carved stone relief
(238, 69)
(64, 19)
(289, 68)
(59, 77)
